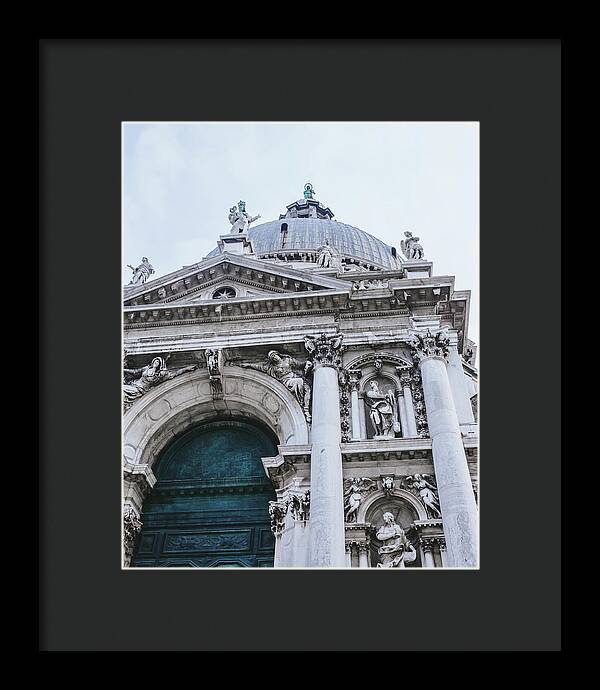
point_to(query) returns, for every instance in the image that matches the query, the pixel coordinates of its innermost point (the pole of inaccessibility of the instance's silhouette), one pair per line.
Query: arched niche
(405, 508)
(387, 381)
(186, 401)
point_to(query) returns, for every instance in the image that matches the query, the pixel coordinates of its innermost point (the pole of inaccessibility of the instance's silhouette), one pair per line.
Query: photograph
(300, 345)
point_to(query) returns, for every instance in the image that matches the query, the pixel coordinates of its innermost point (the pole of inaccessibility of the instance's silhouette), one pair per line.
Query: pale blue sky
(180, 179)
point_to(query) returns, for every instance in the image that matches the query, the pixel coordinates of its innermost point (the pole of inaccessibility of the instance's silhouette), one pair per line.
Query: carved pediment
(236, 276)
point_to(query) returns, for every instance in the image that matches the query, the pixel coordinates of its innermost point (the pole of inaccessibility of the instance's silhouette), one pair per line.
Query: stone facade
(360, 367)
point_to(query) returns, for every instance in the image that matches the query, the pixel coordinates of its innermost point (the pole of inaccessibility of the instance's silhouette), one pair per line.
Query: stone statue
(382, 411)
(355, 489)
(411, 248)
(239, 219)
(214, 365)
(309, 191)
(287, 370)
(141, 273)
(325, 257)
(396, 549)
(146, 378)
(426, 491)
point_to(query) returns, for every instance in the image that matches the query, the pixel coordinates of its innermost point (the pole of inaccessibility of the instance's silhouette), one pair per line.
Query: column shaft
(457, 501)
(355, 416)
(458, 386)
(402, 413)
(327, 532)
(363, 557)
(411, 421)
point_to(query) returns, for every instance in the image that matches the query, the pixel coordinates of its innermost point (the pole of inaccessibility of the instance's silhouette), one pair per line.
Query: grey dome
(308, 234)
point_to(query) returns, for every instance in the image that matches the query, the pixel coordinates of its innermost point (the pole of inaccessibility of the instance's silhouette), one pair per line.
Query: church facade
(304, 396)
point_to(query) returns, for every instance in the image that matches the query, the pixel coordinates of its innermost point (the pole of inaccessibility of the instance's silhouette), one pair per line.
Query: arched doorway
(209, 506)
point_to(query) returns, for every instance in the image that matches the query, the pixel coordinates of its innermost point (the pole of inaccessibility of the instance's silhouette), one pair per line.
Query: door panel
(209, 507)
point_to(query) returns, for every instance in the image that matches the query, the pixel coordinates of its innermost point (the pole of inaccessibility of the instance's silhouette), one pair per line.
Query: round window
(224, 293)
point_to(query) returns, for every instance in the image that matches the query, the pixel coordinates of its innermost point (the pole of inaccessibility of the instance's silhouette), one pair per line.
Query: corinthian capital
(325, 349)
(428, 344)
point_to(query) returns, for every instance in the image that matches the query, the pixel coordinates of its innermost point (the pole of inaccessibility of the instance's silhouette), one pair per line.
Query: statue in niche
(411, 248)
(239, 219)
(141, 380)
(427, 492)
(287, 371)
(382, 411)
(141, 273)
(326, 256)
(355, 489)
(396, 550)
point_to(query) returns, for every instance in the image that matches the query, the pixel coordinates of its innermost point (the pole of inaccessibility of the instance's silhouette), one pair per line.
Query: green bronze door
(209, 506)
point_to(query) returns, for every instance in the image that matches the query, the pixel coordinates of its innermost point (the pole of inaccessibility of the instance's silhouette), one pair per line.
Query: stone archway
(187, 401)
(157, 417)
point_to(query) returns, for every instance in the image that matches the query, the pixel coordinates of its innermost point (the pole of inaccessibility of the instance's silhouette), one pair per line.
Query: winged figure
(355, 489)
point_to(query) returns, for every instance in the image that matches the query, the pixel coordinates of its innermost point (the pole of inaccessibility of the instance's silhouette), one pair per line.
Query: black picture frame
(87, 88)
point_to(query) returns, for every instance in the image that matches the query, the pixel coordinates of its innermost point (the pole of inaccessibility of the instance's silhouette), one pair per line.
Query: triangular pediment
(240, 276)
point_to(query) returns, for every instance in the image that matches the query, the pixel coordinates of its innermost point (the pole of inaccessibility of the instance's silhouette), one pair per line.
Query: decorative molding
(429, 345)
(132, 526)
(326, 350)
(214, 364)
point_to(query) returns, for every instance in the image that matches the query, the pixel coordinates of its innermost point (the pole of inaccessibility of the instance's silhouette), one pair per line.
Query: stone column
(411, 423)
(363, 555)
(402, 413)
(348, 554)
(457, 501)
(444, 554)
(353, 378)
(327, 531)
(427, 549)
(458, 385)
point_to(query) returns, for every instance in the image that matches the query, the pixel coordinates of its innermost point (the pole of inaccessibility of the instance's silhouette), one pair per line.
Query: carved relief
(355, 490)
(387, 484)
(424, 345)
(214, 364)
(372, 284)
(140, 381)
(289, 372)
(326, 350)
(132, 527)
(296, 503)
(424, 486)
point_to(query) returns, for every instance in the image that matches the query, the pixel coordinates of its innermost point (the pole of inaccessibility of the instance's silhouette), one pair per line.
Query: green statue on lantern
(308, 191)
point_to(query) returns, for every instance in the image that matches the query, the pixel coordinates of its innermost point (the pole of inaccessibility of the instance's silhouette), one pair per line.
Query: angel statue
(143, 379)
(411, 248)
(426, 491)
(239, 219)
(287, 371)
(382, 411)
(396, 550)
(354, 492)
(141, 273)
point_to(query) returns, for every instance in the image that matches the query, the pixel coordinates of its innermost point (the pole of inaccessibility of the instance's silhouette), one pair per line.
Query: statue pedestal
(418, 269)
(378, 437)
(237, 243)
